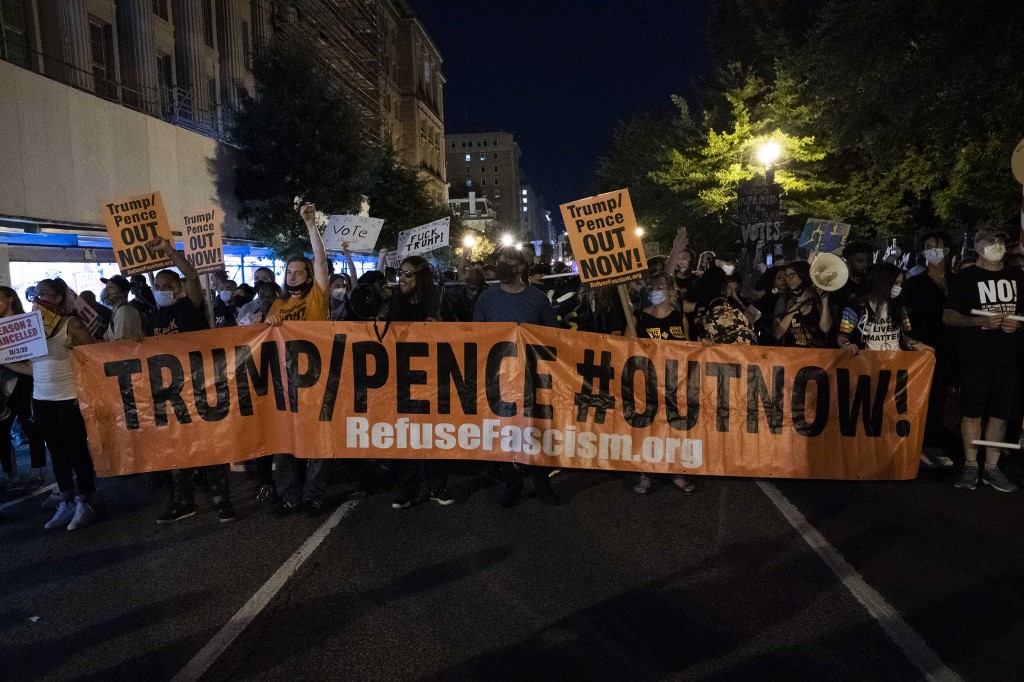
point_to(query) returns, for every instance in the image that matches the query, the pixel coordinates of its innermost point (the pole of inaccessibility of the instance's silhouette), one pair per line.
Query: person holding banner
(419, 299)
(982, 303)
(17, 404)
(125, 321)
(803, 319)
(876, 318)
(515, 301)
(304, 298)
(55, 405)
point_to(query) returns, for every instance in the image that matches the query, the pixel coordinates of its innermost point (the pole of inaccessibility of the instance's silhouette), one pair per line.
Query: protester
(16, 403)
(125, 321)
(255, 311)
(182, 310)
(802, 318)
(55, 406)
(243, 296)
(515, 301)
(924, 297)
(858, 257)
(419, 300)
(464, 303)
(876, 318)
(102, 310)
(607, 316)
(263, 274)
(224, 311)
(988, 353)
(339, 285)
(304, 298)
(773, 284)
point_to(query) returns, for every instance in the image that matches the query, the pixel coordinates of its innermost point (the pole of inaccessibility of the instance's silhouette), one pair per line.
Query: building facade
(103, 99)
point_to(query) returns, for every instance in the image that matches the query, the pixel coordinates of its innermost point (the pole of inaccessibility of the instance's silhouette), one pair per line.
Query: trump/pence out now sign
(603, 234)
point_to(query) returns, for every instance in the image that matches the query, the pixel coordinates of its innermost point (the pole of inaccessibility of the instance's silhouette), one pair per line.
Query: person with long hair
(924, 297)
(773, 284)
(419, 299)
(16, 402)
(55, 405)
(802, 318)
(302, 484)
(876, 318)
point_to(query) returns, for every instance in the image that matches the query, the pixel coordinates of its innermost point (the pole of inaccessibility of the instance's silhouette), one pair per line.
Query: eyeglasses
(407, 273)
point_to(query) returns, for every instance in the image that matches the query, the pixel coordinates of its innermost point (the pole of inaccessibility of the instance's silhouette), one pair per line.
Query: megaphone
(829, 272)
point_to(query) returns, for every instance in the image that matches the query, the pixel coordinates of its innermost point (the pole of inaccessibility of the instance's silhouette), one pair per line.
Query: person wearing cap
(989, 364)
(125, 321)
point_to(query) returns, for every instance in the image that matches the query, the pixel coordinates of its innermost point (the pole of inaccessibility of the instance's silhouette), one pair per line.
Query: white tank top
(52, 376)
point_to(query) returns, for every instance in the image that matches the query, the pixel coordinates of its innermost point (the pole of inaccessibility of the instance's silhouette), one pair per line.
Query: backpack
(724, 323)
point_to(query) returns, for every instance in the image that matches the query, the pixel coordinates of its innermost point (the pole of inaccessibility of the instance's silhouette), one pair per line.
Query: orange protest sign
(204, 242)
(130, 224)
(602, 232)
(502, 392)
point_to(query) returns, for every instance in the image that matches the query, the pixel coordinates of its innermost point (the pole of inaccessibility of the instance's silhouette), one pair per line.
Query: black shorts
(989, 390)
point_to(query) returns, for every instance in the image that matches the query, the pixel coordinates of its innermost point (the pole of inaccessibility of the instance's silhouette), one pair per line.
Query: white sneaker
(65, 512)
(53, 500)
(84, 514)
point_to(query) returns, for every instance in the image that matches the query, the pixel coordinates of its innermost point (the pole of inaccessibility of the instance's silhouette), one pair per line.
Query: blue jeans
(300, 480)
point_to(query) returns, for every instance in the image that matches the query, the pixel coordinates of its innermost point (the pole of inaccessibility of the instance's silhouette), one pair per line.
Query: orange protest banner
(130, 224)
(603, 234)
(204, 242)
(496, 391)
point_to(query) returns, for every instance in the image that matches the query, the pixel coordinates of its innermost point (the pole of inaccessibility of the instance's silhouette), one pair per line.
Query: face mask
(225, 296)
(50, 317)
(934, 256)
(658, 297)
(728, 269)
(895, 291)
(45, 305)
(338, 294)
(994, 252)
(301, 289)
(505, 271)
(775, 290)
(164, 299)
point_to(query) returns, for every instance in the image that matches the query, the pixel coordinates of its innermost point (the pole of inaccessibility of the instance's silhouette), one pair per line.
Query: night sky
(560, 74)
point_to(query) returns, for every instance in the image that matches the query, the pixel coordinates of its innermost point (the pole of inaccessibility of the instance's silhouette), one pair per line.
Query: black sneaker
(443, 497)
(226, 512)
(509, 493)
(179, 510)
(266, 493)
(286, 509)
(404, 500)
(313, 509)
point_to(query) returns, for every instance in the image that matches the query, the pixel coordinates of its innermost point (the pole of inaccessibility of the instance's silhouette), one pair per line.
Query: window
(495, 143)
(208, 22)
(495, 169)
(160, 9)
(469, 183)
(524, 192)
(453, 145)
(101, 41)
(524, 209)
(485, 143)
(469, 157)
(495, 156)
(483, 158)
(246, 49)
(470, 143)
(165, 82)
(13, 38)
(483, 182)
(211, 105)
(525, 200)
(467, 170)
(483, 169)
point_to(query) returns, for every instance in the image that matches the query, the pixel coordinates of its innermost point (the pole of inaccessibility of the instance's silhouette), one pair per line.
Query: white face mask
(727, 268)
(164, 298)
(338, 294)
(994, 252)
(658, 297)
(225, 296)
(895, 291)
(934, 256)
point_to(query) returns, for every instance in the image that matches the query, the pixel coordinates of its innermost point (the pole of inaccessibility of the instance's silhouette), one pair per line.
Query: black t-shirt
(924, 301)
(179, 318)
(224, 314)
(673, 326)
(999, 292)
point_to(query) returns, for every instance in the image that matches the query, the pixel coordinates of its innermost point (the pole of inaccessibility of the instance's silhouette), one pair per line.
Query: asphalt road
(608, 585)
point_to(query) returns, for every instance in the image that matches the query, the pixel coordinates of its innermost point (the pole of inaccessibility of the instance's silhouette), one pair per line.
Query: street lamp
(507, 240)
(469, 242)
(639, 232)
(768, 153)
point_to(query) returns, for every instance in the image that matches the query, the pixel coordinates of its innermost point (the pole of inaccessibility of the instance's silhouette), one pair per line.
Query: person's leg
(408, 483)
(48, 417)
(27, 421)
(318, 472)
(541, 477)
(7, 460)
(80, 459)
(435, 473)
(184, 485)
(512, 484)
(995, 431)
(265, 470)
(286, 477)
(220, 490)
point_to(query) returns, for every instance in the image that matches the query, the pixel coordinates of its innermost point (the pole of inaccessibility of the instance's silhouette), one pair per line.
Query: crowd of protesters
(968, 315)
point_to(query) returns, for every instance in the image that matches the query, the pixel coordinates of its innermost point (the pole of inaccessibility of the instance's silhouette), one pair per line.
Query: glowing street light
(507, 240)
(639, 232)
(469, 242)
(768, 153)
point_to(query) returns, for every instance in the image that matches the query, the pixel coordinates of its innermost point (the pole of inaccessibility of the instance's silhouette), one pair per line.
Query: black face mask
(505, 271)
(301, 289)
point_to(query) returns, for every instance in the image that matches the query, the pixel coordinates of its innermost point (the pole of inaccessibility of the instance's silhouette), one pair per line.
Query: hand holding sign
(162, 246)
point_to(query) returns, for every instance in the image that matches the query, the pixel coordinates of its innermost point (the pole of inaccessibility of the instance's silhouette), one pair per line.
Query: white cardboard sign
(360, 232)
(22, 337)
(424, 239)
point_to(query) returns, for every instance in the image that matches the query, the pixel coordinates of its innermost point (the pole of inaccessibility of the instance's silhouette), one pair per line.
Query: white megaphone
(829, 272)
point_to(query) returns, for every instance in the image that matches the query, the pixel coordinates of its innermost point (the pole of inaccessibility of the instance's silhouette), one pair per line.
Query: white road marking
(905, 637)
(37, 491)
(202, 661)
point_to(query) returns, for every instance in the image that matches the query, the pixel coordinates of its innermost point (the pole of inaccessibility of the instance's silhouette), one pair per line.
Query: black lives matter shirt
(179, 318)
(999, 292)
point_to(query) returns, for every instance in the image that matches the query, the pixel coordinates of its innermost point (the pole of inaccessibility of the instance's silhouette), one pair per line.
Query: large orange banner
(496, 391)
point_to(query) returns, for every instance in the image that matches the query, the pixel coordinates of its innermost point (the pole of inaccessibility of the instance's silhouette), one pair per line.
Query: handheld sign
(423, 239)
(757, 210)
(602, 232)
(204, 242)
(358, 233)
(824, 236)
(22, 337)
(130, 224)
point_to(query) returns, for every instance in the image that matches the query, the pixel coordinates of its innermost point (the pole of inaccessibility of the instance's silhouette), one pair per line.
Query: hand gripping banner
(501, 392)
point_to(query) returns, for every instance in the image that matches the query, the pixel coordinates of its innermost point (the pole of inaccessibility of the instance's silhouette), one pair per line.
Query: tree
(295, 141)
